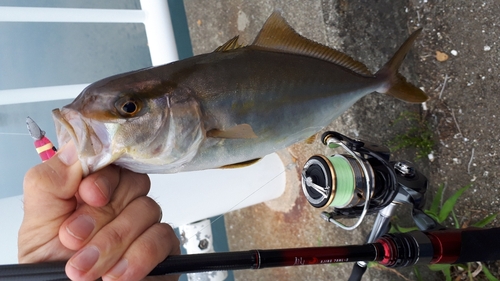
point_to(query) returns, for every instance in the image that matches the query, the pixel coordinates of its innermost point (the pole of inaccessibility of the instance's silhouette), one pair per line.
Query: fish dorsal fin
(241, 164)
(277, 35)
(242, 131)
(229, 45)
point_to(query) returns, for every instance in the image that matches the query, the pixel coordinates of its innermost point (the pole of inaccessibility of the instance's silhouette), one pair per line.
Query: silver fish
(225, 108)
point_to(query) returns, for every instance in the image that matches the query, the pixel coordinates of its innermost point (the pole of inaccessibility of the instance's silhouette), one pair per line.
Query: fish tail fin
(396, 84)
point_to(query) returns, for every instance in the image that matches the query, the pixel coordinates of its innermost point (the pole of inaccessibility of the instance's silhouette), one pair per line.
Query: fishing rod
(391, 250)
(363, 181)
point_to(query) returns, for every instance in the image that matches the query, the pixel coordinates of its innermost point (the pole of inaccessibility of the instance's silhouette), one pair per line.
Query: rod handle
(465, 245)
(479, 245)
(171, 265)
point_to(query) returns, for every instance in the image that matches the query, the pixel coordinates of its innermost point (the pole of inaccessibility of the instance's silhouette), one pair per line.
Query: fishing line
(15, 134)
(241, 201)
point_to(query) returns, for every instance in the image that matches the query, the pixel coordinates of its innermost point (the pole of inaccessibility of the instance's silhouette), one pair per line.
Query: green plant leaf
(437, 200)
(417, 273)
(433, 216)
(469, 273)
(449, 204)
(393, 229)
(402, 229)
(439, 267)
(455, 220)
(406, 115)
(485, 221)
(488, 274)
(463, 266)
(445, 268)
(418, 134)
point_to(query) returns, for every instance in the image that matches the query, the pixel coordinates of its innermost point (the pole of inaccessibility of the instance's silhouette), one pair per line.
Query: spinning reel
(363, 181)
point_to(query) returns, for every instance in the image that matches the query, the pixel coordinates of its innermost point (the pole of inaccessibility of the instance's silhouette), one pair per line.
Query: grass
(418, 134)
(441, 213)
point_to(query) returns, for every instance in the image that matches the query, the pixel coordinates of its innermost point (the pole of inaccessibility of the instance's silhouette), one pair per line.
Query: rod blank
(253, 259)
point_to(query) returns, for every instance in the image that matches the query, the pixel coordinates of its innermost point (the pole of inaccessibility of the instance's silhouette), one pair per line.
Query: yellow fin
(241, 164)
(242, 131)
(229, 45)
(277, 35)
(398, 87)
(311, 139)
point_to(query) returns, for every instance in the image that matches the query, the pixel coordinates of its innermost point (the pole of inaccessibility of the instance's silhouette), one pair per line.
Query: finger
(131, 186)
(125, 187)
(56, 179)
(49, 190)
(97, 188)
(109, 244)
(151, 248)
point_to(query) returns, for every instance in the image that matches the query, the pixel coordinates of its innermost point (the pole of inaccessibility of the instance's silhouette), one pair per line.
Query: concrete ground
(462, 113)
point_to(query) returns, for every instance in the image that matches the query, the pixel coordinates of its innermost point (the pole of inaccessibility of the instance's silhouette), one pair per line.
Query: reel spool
(344, 182)
(337, 181)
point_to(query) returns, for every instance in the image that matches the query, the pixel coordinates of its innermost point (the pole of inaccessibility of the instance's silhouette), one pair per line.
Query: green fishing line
(344, 181)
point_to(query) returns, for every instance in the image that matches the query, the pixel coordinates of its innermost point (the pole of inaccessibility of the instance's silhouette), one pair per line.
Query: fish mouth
(71, 126)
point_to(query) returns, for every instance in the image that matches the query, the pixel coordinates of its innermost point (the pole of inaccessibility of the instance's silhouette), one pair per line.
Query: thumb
(50, 188)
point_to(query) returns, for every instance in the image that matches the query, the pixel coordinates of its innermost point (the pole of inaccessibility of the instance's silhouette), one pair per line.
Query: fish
(223, 109)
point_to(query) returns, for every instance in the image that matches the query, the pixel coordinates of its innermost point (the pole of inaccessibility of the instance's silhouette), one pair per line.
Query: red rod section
(320, 255)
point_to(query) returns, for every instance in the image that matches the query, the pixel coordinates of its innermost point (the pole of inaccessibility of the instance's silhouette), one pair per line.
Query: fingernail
(103, 184)
(86, 259)
(81, 227)
(118, 269)
(67, 154)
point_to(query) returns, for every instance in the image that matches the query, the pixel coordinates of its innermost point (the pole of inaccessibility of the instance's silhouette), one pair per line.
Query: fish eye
(129, 107)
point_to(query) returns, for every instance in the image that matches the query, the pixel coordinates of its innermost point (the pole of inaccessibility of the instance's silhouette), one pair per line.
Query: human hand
(104, 223)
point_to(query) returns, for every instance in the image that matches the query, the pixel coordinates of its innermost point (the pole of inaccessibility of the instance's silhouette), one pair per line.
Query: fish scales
(305, 95)
(223, 108)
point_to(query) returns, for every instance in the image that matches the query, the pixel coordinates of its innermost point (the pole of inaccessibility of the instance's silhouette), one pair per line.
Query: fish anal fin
(241, 164)
(242, 131)
(277, 35)
(397, 85)
(229, 45)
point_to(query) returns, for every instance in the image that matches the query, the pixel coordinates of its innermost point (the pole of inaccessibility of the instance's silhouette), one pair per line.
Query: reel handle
(357, 272)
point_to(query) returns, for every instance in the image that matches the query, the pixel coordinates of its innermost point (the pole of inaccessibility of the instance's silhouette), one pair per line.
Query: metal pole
(159, 32)
(155, 16)
(36, 14)
(40, 94)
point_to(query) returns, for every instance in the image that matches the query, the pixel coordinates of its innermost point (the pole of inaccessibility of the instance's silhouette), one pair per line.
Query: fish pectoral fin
(242, 131)
(229, 45)
(241, 164)
(277, 35)
(311, 139)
